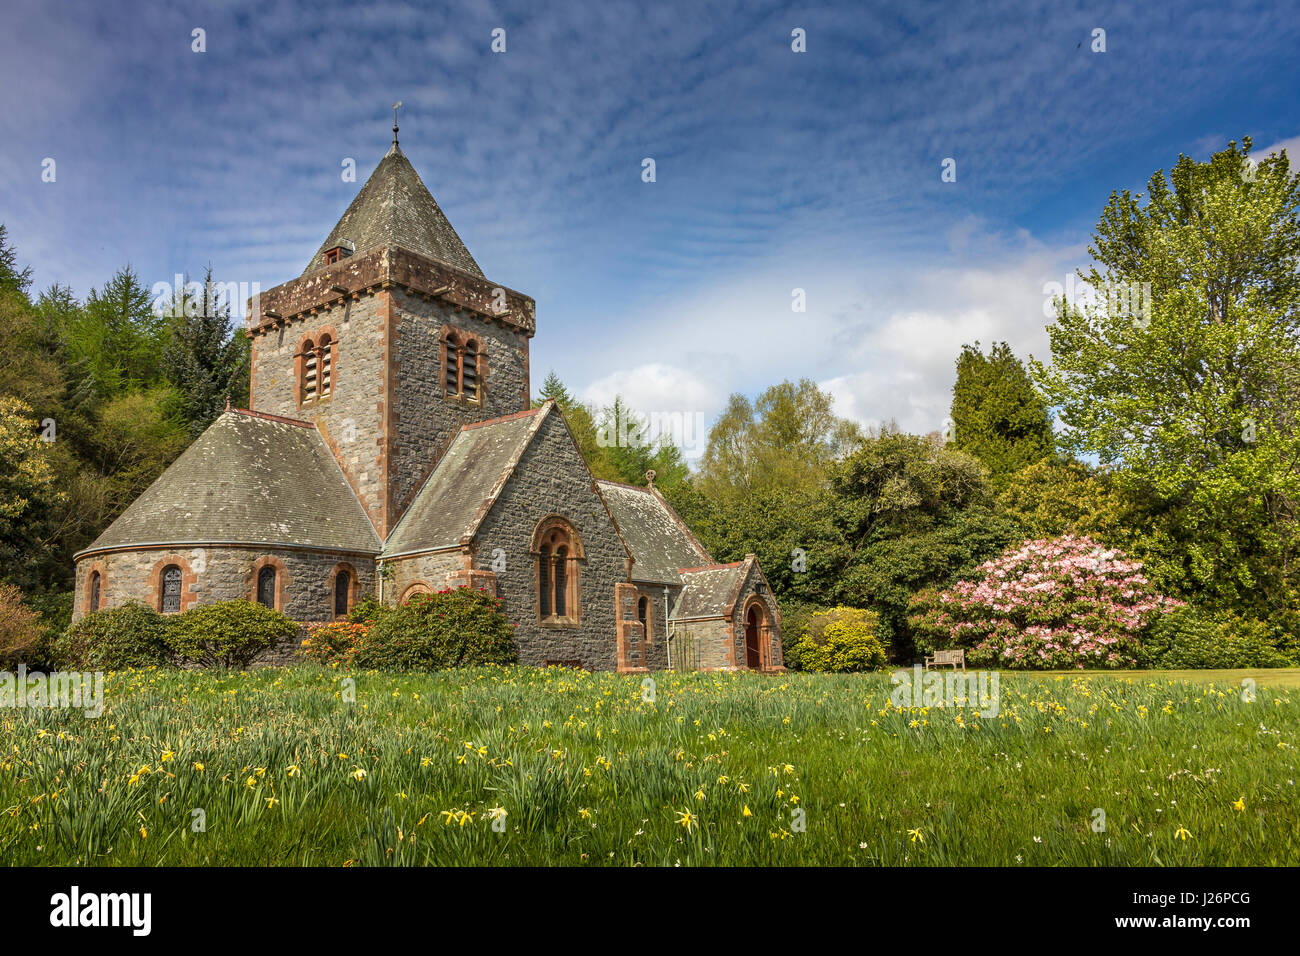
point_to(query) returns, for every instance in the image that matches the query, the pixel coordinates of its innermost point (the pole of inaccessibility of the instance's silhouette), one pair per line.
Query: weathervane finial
(395, 108)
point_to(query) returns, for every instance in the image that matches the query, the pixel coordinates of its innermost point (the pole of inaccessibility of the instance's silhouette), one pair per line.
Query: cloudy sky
(774, 170)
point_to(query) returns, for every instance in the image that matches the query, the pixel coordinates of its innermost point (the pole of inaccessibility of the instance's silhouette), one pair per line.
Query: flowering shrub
(839, 640)
(1061, 603)
(21, 633)
(459, 627)
(334, 644)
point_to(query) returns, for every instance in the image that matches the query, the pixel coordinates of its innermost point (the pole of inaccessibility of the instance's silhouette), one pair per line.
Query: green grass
(588, 772)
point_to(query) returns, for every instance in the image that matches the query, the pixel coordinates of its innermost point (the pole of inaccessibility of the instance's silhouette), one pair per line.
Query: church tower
(390, 340)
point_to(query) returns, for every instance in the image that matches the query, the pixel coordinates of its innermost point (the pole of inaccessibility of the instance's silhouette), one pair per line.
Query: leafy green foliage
(783, 441)
(999, 416)
(841, 640)
(912, 513)
(206, 359)
(1184, 379)
(131, 635)
(1186, 638)
(461, 627)
(228, 633)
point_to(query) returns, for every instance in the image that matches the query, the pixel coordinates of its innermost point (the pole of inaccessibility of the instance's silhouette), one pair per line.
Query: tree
(787, 439)
(999, 416)
(118, 338)
(27, 486)
(912, 513)
(12, 278)
(206, 360)
(1184, 378)
(631, 451)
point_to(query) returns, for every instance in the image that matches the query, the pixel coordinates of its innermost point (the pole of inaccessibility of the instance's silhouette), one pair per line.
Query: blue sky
(775, 170)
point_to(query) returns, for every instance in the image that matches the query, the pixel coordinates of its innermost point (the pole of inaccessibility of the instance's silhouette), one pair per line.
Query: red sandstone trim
(710, 567)
(469, 426)
(273, 418)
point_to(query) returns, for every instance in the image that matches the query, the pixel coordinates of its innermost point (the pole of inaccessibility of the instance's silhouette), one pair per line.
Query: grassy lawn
(717, 769)
(1285, 677)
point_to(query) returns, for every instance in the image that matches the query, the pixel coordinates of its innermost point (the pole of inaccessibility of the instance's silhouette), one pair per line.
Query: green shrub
(55, 609)
(227, 634)
(841, 639)
(463, 627)
(795, 618)
(367, 611)
(1187, 639)
(132, 635)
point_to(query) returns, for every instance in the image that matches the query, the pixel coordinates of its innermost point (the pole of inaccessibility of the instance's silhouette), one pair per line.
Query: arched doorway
(754, 620)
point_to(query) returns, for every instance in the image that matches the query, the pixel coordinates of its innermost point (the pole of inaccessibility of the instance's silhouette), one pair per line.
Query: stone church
(390, 449)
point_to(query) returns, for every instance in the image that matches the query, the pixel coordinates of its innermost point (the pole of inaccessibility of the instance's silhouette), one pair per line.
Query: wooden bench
(945, 658)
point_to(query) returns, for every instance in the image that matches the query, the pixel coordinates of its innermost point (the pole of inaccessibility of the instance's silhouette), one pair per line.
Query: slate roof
(456, 496)
(708, 591)
(655, 536)
(394, 207)
(248, 479)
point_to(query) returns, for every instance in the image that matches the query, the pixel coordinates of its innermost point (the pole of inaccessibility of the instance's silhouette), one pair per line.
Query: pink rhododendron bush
(1067, 602)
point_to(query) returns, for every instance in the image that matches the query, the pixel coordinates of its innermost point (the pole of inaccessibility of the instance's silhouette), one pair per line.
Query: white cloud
(883, 341)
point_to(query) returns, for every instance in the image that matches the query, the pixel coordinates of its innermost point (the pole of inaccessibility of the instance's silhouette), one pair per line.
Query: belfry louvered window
(316, 368)
(469, 370)
(323, 362)
(462, 367)
(310, 371)
(170, 600)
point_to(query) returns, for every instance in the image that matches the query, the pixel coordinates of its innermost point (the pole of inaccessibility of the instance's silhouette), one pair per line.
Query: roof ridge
(470, 426)
(499, 485)
(711, 567)
(273, 418)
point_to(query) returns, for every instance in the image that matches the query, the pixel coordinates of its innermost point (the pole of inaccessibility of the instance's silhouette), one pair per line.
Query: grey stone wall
(701, 645)
(430, 569)
(551, 478)
(223, 574)
(352, 417)
(425, 419)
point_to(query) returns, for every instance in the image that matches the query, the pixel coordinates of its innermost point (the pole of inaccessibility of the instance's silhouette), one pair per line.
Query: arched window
(469, 371)
(643, 615)
(561, 580)
(544, 589)
(419, 587)
(309, 381)
(342, 590)
(323, 363)
(462, 367)
(451, 366)
(170, 600)
(94, 590)
(266, 586)
(558, 550)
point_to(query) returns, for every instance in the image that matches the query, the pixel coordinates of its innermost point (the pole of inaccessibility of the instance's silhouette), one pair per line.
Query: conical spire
(394, 207)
